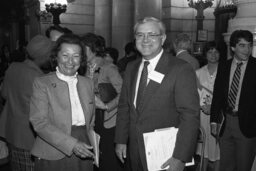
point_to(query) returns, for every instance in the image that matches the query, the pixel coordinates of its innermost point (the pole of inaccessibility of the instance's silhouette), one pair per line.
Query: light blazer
(50, 114)
(17, 90)
(172, 103)
(247, 101)
(188, 58)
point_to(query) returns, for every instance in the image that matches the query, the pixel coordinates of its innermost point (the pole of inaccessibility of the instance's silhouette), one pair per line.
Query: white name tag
(156, 76)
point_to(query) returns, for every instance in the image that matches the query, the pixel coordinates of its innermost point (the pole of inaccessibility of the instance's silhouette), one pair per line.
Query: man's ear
(163, 39)
(232, 48)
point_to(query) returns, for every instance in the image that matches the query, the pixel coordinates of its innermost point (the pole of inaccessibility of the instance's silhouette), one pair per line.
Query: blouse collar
(65, 77)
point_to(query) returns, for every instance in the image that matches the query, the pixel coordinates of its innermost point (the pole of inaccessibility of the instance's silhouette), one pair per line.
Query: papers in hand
(159, 146)
(95, 141)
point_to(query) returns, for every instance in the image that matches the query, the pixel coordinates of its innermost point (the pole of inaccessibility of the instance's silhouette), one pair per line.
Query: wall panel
(179, 17)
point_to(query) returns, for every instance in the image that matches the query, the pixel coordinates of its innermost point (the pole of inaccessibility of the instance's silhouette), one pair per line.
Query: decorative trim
(70, 1)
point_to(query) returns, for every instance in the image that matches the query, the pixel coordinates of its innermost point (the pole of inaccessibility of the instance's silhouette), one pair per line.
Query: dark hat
(39, 48)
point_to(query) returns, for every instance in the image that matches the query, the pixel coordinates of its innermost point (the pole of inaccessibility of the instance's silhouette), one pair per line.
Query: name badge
(156, 76)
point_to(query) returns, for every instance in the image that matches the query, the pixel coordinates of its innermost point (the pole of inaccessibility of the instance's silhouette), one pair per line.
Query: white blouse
(76, 107)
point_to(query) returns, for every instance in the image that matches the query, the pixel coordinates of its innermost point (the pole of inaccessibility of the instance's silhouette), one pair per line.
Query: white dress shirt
(151, 67)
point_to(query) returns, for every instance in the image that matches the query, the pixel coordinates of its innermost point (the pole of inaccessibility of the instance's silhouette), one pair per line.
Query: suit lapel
(248, 71)
(161, 67)
(247, 80)
(227, 78)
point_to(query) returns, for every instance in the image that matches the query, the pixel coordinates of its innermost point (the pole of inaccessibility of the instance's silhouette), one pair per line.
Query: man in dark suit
(234, 96)
(170, 99)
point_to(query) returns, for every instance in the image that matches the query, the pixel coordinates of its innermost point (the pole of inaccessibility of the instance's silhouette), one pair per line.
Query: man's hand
(121, 151)
(174, 165)
(214, 129)
(83, 150)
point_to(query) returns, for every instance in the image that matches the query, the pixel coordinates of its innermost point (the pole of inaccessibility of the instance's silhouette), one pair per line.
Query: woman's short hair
(95, 43)
(208, 46)
(113, 53)
(69, 39)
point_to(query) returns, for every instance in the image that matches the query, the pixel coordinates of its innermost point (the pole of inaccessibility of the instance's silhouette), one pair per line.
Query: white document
(95, 141)
(159, 146)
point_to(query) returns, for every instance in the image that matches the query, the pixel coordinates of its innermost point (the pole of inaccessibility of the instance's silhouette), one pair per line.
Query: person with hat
(17, 90)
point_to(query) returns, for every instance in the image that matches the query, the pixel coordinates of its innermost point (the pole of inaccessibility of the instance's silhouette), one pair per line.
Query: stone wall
(179, 17)
(79, 17)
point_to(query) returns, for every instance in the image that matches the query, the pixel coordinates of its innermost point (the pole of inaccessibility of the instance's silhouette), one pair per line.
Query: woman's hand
(121, 151)
(100, 104)
(206, 108)
(83, 150)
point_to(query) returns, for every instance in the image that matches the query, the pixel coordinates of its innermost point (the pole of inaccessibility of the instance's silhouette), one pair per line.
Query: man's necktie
(234, 86)
(142, 84)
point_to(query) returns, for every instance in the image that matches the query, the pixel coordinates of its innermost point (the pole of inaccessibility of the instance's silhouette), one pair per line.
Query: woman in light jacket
(62, 112)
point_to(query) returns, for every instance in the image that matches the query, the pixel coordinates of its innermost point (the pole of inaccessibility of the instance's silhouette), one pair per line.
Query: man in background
(234, 97)
(182, 47)
(54, 32)
(131, 54)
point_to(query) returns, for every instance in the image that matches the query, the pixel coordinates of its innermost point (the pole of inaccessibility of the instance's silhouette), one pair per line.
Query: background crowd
(59, 88)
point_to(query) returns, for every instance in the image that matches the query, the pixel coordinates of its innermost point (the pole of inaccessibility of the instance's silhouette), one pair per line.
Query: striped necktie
(234, 86)
(142, 84)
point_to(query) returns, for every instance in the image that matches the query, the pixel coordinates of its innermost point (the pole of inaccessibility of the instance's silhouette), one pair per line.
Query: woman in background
(62, 111)
(206, 77)
(108, 83)
(111, 55)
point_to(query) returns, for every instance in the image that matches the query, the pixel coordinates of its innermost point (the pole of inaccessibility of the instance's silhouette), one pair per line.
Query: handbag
(107, 92)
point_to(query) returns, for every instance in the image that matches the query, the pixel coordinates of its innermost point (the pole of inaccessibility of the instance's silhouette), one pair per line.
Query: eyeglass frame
(150, 35)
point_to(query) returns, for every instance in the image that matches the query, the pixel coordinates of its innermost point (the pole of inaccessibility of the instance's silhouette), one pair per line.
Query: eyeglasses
(150, 36)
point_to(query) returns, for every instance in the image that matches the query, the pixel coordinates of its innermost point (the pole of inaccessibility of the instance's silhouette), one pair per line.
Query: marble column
(145, 8)
(124, 15)
(102, 21)
(122, 24)
(245, 19)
